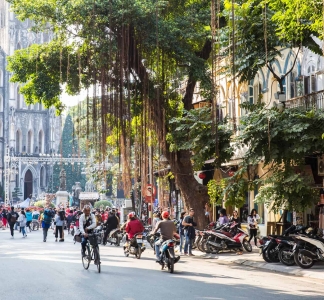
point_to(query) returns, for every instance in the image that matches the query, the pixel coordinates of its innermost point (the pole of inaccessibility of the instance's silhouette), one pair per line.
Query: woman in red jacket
(133, 226)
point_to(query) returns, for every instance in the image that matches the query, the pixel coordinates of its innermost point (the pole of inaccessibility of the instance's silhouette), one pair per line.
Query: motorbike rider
(167, 230)
(87, 222)
(112, 223)
(133, 226)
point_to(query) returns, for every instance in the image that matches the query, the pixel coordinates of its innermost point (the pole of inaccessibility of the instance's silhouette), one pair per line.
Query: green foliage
(42, 204)
(282, 140)
(216, 191)
(102, 203)
(194, 131)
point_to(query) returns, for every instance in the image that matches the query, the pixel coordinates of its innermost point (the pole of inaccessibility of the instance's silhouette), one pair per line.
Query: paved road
(32, 269)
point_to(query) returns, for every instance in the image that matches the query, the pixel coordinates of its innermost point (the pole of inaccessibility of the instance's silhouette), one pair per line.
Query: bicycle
(92, 252)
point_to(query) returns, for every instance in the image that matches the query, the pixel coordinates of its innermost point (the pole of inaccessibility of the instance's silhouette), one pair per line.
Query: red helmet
(165, 215)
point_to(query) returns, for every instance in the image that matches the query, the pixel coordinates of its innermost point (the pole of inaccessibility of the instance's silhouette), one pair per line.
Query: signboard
(149, 193)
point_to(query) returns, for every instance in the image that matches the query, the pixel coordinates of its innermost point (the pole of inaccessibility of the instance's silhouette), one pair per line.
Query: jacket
(22, 220)
(133, 227)
(29, 216)
(83, 221)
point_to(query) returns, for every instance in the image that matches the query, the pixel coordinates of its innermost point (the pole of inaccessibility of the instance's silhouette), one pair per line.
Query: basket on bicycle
(93, 240)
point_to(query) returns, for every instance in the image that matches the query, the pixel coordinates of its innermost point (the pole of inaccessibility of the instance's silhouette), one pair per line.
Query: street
(32, 269)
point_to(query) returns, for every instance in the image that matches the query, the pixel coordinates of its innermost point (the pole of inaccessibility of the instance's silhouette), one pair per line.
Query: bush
(42, 203)
(102, 203)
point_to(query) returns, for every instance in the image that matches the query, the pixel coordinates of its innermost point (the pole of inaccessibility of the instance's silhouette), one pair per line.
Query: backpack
(47, 217)
(13, 217)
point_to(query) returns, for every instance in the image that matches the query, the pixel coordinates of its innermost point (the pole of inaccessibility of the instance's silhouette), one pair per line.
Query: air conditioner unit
(320, 165)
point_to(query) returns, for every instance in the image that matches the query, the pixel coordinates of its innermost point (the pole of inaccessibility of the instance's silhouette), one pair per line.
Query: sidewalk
(254, 259)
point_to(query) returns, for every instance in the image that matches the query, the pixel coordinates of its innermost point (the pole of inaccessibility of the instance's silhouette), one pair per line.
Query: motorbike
(167, 255)
(135, 246)
(274, 247)
(233, 239)
(114, 237)
(308, 249)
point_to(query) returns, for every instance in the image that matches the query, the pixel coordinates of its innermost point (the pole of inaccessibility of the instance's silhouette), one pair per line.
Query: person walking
(46, 219)
(189, 232)
(22, 223)
(253, 219)
(4, 219)
(29, 218)
(12, 219)
(181, 232)
(69, 220)
(59, 221)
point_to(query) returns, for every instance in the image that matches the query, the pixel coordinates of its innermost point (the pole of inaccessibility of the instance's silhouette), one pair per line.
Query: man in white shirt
(87, 222)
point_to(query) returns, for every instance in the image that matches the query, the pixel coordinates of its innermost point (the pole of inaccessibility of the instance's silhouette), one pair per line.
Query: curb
(275, 267)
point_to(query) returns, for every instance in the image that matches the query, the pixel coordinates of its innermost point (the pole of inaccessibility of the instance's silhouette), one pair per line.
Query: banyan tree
(140, 62)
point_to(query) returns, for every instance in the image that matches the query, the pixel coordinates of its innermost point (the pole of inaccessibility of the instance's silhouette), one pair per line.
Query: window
(18, 141)
(293, 91)
(41, 141)
(42, 177)
(30, 142)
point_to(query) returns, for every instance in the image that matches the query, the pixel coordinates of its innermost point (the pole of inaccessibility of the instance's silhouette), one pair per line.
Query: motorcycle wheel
(204, 246)
(247, 246)
(272, 254)
(303, 261)
(211, 249)
(171, 265)
(285, 258)
(139, 253)
(265, 257)
(198, 242)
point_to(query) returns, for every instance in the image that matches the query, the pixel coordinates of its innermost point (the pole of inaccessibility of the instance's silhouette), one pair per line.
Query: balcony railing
(309, 101)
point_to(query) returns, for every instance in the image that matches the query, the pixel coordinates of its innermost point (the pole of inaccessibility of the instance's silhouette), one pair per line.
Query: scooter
(135, 246)
(114, 237)
(308, 250)
(167, 255)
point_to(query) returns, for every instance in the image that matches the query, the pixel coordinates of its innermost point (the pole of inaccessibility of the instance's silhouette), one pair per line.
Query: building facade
(25, 130)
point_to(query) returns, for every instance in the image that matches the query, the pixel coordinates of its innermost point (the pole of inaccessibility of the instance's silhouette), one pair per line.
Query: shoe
(159, 261)
(25, 235)
(44, 240)
(176, 259)
(190, 254)
(55, 240)
(61, 240)
(185, 254)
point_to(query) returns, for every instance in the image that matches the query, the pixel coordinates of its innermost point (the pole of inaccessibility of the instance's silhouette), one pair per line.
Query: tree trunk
(194, 194)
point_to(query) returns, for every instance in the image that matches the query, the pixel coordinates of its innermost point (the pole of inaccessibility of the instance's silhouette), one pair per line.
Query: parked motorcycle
(272, 245)
(135, 246)
(234, 239)
(308, 249)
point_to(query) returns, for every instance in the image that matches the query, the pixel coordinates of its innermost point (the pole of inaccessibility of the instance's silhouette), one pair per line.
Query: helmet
(165, 215)
(131, 215)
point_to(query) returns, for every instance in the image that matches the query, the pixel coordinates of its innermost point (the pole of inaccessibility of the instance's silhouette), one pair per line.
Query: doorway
(28, 184)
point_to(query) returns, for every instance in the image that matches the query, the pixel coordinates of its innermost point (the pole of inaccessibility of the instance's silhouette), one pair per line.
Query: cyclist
(87, 222)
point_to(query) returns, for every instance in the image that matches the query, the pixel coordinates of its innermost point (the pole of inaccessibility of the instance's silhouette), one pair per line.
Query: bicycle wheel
(87, 258)
(97, 258)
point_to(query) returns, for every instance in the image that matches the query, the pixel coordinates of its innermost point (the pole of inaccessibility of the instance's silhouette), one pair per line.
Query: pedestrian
(181, 231)
(69, 220)
(235, 218)
(223, 219)
(22, 222)
(253, 219)
(29, 217)
(4, 218)
(156, 219)
(189, 232)
(12, 219)
(59, 221)
(46, 219)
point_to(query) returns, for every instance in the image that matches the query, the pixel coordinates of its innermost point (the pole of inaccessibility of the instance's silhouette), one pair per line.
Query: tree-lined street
(35, 270)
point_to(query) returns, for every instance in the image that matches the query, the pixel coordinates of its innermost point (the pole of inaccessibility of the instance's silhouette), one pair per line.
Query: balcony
(309, 101)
